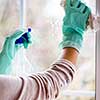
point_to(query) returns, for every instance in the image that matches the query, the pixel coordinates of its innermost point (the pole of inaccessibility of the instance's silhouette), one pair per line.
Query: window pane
(9, 18)
(45, 17)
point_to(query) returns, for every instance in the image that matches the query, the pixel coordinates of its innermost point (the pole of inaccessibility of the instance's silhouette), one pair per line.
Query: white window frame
(69, 92)
(98, 55)
(22, 13)
(79, 93)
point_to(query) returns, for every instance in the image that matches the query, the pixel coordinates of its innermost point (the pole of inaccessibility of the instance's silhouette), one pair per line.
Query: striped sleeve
(41, 86)
(53, 80)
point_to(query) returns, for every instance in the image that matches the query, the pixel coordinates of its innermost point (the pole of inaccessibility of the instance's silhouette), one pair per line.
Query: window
(98, 56)
(45, 18)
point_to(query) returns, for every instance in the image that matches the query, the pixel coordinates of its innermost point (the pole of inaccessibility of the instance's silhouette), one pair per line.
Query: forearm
(70, 54)
(73, 29)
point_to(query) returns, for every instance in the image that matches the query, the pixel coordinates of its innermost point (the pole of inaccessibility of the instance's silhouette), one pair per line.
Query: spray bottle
(23, 38)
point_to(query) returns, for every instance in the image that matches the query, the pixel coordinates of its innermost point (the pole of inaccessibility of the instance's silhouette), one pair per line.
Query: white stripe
(70, 78)
(65, 65)
(66, 62)
(69, 63)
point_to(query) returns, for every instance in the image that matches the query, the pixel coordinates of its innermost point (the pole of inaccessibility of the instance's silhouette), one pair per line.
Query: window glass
(45, 19)
(9, 18)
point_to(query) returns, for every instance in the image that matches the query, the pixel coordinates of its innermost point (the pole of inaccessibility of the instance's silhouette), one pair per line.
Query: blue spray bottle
(24, 38)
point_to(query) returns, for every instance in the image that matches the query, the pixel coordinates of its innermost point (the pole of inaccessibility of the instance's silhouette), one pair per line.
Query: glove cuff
(73, 40)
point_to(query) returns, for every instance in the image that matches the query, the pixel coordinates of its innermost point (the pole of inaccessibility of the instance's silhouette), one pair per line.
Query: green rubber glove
(74, 24)
(9, 51)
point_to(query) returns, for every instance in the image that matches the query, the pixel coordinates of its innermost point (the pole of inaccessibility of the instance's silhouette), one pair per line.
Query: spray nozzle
(24, 37)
